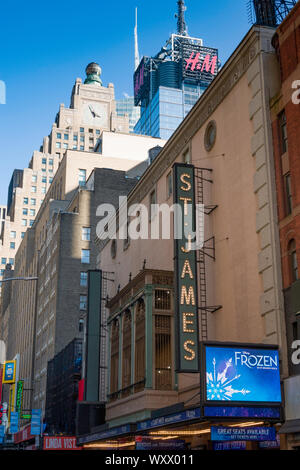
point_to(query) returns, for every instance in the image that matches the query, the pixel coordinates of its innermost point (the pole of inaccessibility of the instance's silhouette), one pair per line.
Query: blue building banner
(36, 422)
(14, 422)
(221, 433)
(234, 445)
(2, 431)
(165, 420)
(239, 374)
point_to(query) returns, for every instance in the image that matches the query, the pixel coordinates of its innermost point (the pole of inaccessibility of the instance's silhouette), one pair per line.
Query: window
(44, 179)
(43, 190)
(25, 211)
(12, 245)
(66, 136)
(75, 147)
(152, 201)
(82, 138)
(114, 358)
(186, 157)
(3, 260)
(83, 279)
(1, 272)
(210, 136)
(86, 234)
(13, 234)
(25, 200)
(75, 137)
(22, 234)
(33, 189)
(81, 147)
(82, 129)
(50, 180)
(163, 353)
(24, 222)
(139, 360)
(85, 256)
(292, 253)
(82, 177)
(81, 325)
(83, 302)
(31, 222)
(288, 194)
(162, 299)
(169, 185)
(33, 201)
(97, 131)
(91, 141)
(58, 135)
(34, 178)
(283, 132)
(66, 146)
(32, 212)
(58, 145)
(11, 261)
(44, 161)
(51, 161)
(126, 356)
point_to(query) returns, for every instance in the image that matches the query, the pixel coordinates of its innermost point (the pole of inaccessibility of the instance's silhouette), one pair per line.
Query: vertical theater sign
(187, 340)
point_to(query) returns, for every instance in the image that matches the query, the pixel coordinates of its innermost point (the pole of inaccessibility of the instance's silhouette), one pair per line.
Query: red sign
(23, 435)
(81, 390)
(196, 62)
(60, 443)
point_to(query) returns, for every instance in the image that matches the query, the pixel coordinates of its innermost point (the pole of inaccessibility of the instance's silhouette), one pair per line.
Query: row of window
(44, 179)
(50, 161)
(4, 261)
(32, 201)
(43, 189)
(75, 136)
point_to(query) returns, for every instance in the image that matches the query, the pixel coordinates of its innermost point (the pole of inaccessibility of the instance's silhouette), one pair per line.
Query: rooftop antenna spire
(136, 44)
(181, 24)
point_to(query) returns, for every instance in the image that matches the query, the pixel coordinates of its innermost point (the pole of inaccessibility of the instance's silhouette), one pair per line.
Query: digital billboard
(9, 373)
(241, 374)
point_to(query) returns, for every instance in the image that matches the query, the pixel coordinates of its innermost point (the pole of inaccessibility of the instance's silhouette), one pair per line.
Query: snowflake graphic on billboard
(218, 386)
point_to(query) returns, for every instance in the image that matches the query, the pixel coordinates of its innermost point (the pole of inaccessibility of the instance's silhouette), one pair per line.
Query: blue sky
(46, 45)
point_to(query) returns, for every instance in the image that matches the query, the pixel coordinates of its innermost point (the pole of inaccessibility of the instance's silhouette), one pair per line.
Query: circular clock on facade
(95, 114)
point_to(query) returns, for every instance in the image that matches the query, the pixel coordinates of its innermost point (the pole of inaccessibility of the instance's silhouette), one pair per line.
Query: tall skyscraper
(126, 106)
(167, 85)
(92, 110)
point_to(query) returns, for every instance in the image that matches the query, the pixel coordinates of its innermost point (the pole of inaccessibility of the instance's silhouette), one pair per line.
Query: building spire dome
(93, 72)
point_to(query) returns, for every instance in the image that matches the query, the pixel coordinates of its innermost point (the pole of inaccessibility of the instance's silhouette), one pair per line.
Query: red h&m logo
(195, 63)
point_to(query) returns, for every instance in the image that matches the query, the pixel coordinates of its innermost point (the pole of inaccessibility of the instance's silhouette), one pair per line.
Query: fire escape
(202, 177)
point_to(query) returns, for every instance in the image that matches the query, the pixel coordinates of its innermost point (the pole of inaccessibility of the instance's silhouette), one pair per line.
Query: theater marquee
(186, 311)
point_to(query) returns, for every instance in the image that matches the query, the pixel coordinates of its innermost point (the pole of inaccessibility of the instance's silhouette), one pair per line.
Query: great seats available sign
(60, 443)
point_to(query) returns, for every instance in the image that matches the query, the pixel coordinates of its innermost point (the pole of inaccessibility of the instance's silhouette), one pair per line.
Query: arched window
(140, 346)
(126, 360)
(293, 262)
(114, 359)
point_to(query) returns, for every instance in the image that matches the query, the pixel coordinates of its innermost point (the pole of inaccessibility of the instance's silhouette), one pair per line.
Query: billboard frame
(232, 404)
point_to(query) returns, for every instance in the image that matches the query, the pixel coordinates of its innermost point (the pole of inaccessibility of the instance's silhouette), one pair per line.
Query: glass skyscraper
(167, 86)
(126, 106)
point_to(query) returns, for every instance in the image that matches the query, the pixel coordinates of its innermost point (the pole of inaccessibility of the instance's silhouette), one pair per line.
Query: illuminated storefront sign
(187, 342)
(9, 372)
(60, 443)
(221, 433)
(241, 373)
(19, 396)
